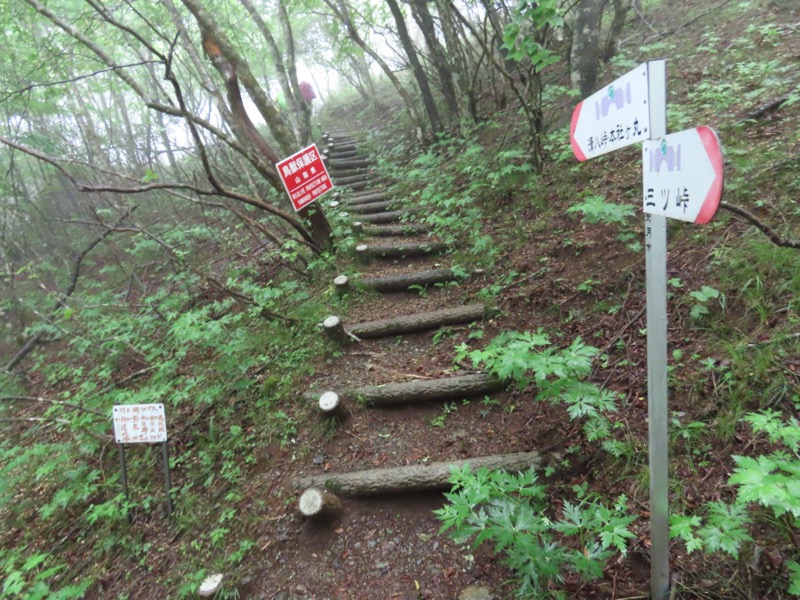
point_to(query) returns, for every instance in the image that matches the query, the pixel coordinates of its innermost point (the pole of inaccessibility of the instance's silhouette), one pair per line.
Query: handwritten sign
(140, 424)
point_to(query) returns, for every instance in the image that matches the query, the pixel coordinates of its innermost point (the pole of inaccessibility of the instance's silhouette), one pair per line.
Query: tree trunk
(621, 8)
(269, 112)
(342, 13)
(584, 57)
(438, 57)
(419, 73)
(419, 322)
(413, 478)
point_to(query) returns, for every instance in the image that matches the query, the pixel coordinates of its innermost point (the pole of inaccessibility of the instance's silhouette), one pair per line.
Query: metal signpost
(682, 179)
(304, 176)
(142, 424)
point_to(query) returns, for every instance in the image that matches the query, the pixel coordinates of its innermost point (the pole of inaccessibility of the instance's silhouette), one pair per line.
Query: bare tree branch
(775, 237)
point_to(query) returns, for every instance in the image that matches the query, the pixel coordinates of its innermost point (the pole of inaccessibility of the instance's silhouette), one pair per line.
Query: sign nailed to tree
(304, 176)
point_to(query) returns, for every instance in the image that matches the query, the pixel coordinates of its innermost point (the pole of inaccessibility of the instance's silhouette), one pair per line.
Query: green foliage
(37, 577)
(702, 296)
(512, 512)
(529, 358)
(595, 210)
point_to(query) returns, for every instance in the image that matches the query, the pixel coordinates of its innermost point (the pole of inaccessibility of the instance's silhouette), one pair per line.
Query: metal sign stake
(124, 473)
(165, 457)
(656, 263)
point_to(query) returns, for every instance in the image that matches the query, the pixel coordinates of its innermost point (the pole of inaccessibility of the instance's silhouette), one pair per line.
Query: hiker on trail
(307, 92)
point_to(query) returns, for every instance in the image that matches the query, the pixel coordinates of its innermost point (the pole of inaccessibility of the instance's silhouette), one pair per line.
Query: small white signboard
(612, 118)
(140, 424)
(682, 175)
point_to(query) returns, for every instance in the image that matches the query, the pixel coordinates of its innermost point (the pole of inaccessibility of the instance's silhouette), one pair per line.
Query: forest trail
(387, 399)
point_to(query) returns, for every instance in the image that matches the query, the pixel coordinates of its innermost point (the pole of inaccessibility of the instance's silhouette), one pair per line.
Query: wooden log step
(368, 198)
(403, 230)
(371, 207)
(384, 217)
(424, 390)
(419, 321)
(351, 172)
(412, 478)
(349, 163)
(339, 180)
(342, 153)
(403, 281)
(401, 250)
(358, 185)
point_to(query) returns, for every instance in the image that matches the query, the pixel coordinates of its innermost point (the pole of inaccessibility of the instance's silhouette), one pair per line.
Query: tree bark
(386, 217)
(424, 390)
(419, 322)
(368, 198)
(403, 281)
(208, 26)
(438, 57)
(419, 73)
(405, 250)
(403, 230)
(371, 207)
(585, 54)
(413, 478)
(341, 11)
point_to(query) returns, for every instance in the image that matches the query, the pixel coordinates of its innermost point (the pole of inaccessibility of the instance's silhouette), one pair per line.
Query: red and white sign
(140, 424)
(682, 174)
(304, 176)
(615, 117)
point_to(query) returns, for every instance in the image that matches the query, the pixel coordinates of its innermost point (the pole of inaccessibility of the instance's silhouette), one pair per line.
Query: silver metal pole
(656, 262)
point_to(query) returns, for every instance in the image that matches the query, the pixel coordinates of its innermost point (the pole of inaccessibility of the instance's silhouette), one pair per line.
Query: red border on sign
(576, 149)
(711, 203)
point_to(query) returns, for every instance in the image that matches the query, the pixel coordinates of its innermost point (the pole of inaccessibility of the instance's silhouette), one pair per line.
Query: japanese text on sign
(304, 177)
(140, 424)
(612, 118)
(682, 175)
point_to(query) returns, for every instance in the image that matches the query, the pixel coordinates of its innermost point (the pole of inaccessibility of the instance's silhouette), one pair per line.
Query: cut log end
(334, 204)
(334, 329)
(330, 404)
(341, 284)
(358, 226)
(317, 503)
(363, 254)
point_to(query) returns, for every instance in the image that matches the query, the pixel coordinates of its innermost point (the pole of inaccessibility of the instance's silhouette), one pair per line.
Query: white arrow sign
(682, 175)
(612, 118)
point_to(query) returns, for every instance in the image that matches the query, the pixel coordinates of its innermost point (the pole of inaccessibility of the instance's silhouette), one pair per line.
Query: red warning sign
(304, 177)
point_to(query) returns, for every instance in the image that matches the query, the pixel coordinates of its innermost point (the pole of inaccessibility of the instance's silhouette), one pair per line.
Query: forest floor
(554, 272)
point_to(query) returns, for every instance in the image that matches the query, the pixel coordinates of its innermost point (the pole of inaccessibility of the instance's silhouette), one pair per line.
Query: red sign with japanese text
(304, 177)
(140, 424)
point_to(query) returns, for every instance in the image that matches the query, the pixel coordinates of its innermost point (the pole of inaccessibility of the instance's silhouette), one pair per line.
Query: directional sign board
(140, 424)
(615, 117)
(304, 176)
(683, 175)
